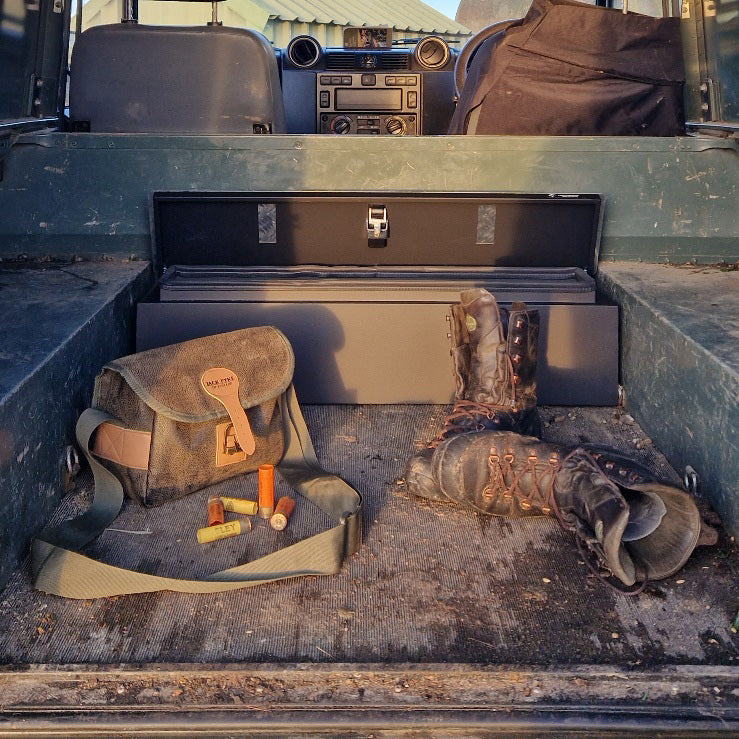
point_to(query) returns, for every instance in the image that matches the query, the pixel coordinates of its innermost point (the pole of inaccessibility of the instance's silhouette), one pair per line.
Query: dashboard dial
(396, 126)
(341, 124)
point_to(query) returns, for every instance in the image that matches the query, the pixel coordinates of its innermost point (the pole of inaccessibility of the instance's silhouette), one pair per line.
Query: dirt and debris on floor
(433, 583)
(268, 687)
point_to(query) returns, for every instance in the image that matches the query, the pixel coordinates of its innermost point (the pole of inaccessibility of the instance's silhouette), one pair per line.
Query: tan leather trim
(123, 446)
(228, 450)
(223, 385)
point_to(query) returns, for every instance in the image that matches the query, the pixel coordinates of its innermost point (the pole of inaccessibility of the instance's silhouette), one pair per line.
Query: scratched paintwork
(68, 320)
(680, 368)
(665, 199)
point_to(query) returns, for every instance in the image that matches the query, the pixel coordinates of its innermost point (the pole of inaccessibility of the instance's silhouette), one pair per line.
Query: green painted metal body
(666, 200)
(67, 321)
(679, 361)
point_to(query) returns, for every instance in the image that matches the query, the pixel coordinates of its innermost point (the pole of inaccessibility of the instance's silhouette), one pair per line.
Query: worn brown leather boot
(494, 351)
(639, 528)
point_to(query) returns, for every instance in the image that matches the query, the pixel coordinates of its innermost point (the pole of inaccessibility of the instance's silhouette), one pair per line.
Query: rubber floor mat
(432, 583)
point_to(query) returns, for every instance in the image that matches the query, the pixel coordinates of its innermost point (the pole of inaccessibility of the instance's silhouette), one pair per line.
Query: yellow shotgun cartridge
(240, 505)
(214, 533)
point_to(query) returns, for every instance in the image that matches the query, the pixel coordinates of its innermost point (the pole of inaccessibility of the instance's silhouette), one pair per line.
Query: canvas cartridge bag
(167, 422)
(191, 438)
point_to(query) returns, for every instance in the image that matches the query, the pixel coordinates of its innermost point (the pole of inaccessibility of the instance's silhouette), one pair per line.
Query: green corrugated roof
(405, 15)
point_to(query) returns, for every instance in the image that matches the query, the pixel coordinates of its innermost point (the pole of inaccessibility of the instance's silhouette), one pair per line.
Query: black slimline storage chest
(361, 284)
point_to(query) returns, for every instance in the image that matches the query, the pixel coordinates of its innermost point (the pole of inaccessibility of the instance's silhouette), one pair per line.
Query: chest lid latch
(377, 225)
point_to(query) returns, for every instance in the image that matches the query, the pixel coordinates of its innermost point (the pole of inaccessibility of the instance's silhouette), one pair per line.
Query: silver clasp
(377, 222)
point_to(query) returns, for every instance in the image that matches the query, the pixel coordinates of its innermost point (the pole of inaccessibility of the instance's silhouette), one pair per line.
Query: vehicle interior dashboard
(302, 88)
(370, 86)
(368, 91)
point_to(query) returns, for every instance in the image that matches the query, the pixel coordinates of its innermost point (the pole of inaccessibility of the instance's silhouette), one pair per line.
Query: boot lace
(541, 497)
(469, 415)
(593, 549)
(603, 573)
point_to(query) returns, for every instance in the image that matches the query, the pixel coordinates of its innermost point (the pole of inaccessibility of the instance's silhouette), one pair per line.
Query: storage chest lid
(464, 229)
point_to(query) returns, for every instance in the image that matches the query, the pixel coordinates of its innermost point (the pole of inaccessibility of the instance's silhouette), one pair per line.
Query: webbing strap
(59, 567)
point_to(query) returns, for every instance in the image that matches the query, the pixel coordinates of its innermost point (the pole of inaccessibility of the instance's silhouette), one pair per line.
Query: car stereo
(369, 103)
(367, 88)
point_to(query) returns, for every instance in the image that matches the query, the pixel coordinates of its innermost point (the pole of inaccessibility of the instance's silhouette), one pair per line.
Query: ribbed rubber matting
(432, 583)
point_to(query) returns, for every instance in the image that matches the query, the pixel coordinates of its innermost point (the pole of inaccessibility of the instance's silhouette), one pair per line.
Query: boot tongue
(584, 491)
(646, 511)
(610, 521)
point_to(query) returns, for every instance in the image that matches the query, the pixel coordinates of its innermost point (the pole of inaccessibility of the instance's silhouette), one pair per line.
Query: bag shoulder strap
(59, 567)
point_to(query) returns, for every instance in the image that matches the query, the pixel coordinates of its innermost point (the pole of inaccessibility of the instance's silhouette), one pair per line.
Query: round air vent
(432, 52)
(304, 52)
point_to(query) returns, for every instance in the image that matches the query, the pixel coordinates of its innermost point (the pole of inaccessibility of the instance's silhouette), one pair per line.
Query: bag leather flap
(168, 379)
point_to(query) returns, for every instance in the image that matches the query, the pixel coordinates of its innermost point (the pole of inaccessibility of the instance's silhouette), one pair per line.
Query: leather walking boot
(494, 352)
(639, 528)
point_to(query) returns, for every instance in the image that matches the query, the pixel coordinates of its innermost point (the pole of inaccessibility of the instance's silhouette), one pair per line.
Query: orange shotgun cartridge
(215, 512)
(266, 490)
(240, 505)
(285, 506)
(214, 533)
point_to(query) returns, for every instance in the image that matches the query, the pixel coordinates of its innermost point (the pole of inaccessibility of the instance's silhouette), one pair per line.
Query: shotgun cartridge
(240, 505)
(224, 531)
(283, 510)
(266, 490)
(215, 512)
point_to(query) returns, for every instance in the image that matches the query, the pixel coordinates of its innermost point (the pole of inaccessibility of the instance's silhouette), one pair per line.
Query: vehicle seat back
(129, 78)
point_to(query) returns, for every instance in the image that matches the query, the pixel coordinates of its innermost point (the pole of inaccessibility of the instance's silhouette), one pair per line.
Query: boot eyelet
(525, 505)
(610, 465)
(487, 493)
(508, 457)
(517, 340)
(519, 323)
(546, 510)
(507, 496)
(516, 358)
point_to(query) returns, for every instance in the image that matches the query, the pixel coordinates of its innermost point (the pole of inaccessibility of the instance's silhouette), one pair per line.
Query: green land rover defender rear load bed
(446, 622)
